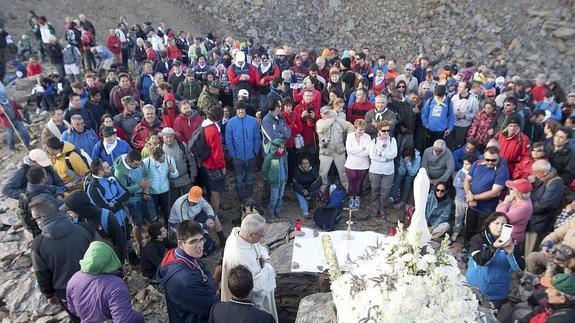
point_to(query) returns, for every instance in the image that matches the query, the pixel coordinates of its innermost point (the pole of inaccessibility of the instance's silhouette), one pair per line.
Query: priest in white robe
(243, 248)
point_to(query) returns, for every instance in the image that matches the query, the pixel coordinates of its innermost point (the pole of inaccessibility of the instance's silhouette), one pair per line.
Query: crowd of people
(143, 126)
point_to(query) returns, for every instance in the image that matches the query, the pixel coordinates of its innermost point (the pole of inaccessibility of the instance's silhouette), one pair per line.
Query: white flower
(407, 257)
(430, 259)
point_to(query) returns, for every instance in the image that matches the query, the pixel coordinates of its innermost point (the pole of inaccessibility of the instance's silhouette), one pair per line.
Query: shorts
(217, 185)
(139, 213)
(71, 69)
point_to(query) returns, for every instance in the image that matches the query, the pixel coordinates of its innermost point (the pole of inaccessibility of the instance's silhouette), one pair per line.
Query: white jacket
(357, 153)
(382, 158)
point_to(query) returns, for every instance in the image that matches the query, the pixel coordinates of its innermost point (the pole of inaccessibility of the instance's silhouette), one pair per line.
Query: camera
(324, 143)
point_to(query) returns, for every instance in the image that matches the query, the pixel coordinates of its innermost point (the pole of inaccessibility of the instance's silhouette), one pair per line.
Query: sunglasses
(440, 190)
(491, 160)
(384, 130)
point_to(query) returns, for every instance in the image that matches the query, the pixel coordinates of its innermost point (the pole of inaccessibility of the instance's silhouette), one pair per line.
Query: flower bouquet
(402, 283)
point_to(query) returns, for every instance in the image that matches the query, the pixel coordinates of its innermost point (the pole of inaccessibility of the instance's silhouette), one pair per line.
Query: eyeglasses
(383, 130)
(195, 242)
(489, 160)
(440, 190)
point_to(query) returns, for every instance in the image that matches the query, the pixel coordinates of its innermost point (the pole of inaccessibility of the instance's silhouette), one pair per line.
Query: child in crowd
(274, 170)
(460, 203)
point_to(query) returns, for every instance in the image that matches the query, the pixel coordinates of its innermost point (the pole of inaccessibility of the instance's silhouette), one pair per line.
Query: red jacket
(33, 69)
(185, 126)
(513, 149)
(308, 123)
(267, 80)
(293, 121)
(358, 110)
(169, 113)
(114, 45)
(214, 140)
(538, 92)
(173, 52)
(479, 126)
(151, 55)
(315, 101)
(235, 79)
(4, 119)
(142, 131)
(523, 168)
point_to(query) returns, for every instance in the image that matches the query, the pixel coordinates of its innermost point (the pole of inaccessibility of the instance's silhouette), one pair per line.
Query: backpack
(24, 213)
(83, 155)
(325, 218)
(198, 145)
(336, 198)
(188, 166)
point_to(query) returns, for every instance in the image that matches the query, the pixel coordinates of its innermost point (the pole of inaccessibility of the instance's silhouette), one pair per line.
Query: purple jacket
(96, 298)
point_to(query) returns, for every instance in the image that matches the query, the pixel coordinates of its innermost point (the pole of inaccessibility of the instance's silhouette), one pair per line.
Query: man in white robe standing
(243, 248)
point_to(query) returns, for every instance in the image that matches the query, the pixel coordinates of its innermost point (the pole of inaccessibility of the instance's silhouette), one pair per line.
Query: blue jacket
(437, 212)
(458, 157)
(190, 291)
(458, 180)
(410, 168)
(243, 137)
(102, 191)
(98, 151)
(275, 127)
(490, 268)
(17, 182)
(159, 176)
(552, 107)
(438, 117)
(85, 140)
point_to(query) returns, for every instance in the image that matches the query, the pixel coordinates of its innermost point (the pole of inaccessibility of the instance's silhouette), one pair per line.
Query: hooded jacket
(101, 220)
(105, 190)
(142, 131)
(243, 138)
(275, 168)
(17, 182)
(169, 113)
(57, 251)
(188, 286)
(98, 292)
(490, 268)
(214, 140)
(121, 147)
(438, 117)
(564, 162)
(513, 148)
(437, 212)
(46, 192)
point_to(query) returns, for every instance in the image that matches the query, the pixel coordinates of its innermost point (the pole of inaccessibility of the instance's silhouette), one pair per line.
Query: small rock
(316, 308)
(9, 219)
(564, 32)
(21, 262)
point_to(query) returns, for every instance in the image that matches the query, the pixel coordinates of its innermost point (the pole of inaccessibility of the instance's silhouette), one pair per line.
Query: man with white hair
(546, 195)
(243, 248)
(438, 162)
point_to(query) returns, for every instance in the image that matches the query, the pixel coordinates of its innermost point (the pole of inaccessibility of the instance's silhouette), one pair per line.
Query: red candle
(392, 231)
(298, 224)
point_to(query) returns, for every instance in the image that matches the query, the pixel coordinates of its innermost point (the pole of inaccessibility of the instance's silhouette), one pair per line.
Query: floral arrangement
(403, 283)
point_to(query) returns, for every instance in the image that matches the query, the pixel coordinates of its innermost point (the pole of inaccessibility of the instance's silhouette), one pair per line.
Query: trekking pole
(14, 128)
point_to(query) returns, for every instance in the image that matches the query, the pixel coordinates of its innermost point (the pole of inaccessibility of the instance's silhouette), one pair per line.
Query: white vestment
(240, 252)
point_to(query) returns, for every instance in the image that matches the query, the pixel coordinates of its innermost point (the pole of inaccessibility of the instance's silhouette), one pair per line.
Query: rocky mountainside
(535, 36)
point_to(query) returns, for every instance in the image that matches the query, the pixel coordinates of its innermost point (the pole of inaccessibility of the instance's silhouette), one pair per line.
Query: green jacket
(189, 90)
(129, 178)
(206, 100)
(273, 167)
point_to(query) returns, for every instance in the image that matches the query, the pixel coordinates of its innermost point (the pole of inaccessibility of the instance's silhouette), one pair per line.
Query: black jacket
(309, 180)
(98, 110)
(152, 254)
(17, 182)
(57, 251)
(238, 311)
(55, 53)
(564, 162)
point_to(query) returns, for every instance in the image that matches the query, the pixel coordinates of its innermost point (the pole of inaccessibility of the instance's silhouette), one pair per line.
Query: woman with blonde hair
(356, 165)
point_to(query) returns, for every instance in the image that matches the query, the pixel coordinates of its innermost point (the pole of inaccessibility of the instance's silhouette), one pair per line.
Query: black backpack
(325, 218)
(198, 145)
(69, 163)
(24, 213)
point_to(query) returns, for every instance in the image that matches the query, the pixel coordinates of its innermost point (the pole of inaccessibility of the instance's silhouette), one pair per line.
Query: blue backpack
(336, 198)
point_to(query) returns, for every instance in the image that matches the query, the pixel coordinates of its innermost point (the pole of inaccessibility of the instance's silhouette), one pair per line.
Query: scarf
(264, 69)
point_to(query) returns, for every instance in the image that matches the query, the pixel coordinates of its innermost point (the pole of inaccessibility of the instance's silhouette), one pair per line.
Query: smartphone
(506, 232)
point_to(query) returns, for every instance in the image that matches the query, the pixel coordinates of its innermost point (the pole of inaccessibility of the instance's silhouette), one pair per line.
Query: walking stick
(14, 128)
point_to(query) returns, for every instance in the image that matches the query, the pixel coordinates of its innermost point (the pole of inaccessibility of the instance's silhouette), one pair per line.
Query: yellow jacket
(79, 168)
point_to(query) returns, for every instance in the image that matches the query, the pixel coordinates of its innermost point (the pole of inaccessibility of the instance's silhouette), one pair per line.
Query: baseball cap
(40, 157)
(243, 92)
(564, 283)
(521, 185)
(195, 194)
(128, 100)
(408, 66)
(214, 84)
(108, 131)
(168, 131)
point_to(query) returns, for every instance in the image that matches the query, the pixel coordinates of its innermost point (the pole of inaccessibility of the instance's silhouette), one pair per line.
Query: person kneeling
(438, 210)
(240, 308)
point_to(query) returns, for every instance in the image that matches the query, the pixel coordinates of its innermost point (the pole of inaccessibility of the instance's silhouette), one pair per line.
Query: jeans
(244, 171)
(21, 130)
(303, 203)
(263, 101)
(402, 184)
(460, 210)
(276, 196)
